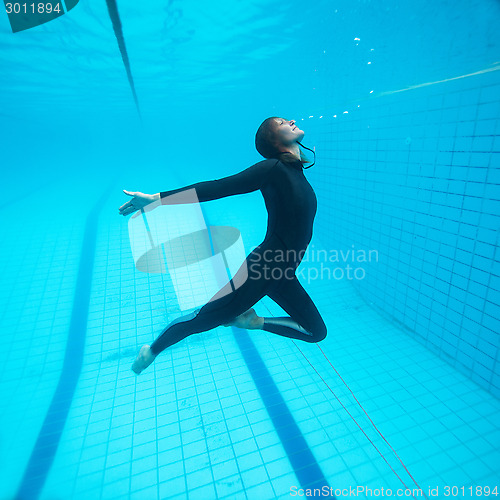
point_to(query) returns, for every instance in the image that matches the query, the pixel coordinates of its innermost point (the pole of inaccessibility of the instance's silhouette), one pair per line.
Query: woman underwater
(270, 268)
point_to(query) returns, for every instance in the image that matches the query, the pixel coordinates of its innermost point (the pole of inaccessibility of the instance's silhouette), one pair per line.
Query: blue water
(402, 103)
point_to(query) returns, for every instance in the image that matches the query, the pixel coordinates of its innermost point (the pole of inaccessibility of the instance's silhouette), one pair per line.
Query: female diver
(270, 268)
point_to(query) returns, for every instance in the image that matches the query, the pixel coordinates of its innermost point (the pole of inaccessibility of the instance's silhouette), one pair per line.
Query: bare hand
(139, 201)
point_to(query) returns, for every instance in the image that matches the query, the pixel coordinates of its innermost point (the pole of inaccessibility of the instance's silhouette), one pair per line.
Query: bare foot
(248, 320)
(143, 360)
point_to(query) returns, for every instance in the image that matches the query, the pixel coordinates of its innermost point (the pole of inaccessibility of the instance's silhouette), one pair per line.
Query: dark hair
(267, 144)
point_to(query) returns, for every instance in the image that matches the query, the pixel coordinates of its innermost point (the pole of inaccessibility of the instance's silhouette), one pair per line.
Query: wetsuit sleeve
(248, 180)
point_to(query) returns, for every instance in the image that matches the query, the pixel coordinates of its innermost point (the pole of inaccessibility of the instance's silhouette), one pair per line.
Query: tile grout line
(45, 448)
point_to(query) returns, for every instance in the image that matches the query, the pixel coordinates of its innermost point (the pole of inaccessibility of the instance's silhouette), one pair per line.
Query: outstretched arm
(248, 180)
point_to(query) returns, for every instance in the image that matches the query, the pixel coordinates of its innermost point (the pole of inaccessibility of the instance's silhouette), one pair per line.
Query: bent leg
(305, 322)
(248, 286)
(224, 306)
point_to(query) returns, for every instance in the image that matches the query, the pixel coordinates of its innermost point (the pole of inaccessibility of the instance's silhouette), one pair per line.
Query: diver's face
(287, 132)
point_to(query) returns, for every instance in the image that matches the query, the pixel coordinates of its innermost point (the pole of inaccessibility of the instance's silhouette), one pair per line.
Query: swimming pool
(402, 105)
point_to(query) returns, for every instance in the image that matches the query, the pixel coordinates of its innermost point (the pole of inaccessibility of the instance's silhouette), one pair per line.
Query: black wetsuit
(291, 205)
